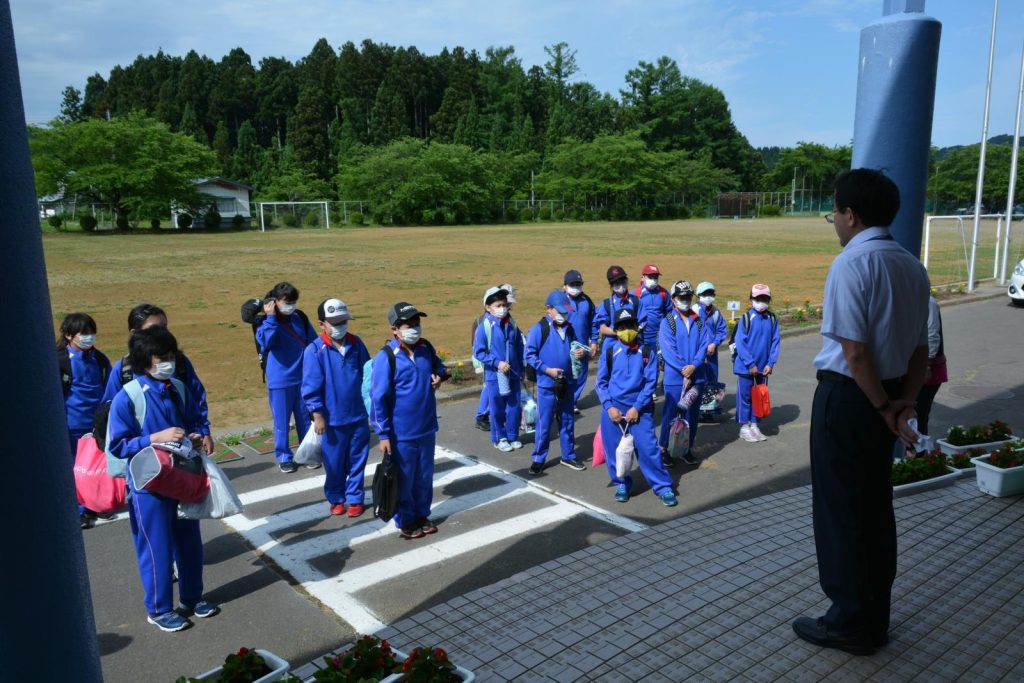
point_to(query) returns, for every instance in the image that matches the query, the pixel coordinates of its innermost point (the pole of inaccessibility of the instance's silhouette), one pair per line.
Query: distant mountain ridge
(1004, 139)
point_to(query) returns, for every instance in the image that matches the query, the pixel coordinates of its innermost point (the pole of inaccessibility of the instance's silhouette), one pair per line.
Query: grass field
(202, 279)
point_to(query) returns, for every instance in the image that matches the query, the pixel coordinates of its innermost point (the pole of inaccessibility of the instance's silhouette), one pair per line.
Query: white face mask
(760, 306)
(286, 309)
(410, 335)
(650, 283)
(86, 341)
(500, 312)
(707, 300)
(559, 319)
(573, 291)
(619, 289)
(683, 304)
(339, 331)
(164, 370)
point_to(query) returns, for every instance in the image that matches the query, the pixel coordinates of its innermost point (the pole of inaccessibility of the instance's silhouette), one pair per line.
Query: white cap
(334, 311)
(495, 292)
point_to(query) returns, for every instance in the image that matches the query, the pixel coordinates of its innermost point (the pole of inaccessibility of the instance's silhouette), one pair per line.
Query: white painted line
(281, 490)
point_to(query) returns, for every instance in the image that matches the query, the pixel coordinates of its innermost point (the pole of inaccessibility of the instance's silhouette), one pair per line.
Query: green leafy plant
(231, 440)
(426, 665)
(356, 218)
(997, 430)
(369, 659)
(184, 221)
(211, 219)
(154, 223)
(919, 468)
(771, 210)
(237, 221)
(243, 666)
(87, 222)
(290, 220)
(1008, 455)
(56, 221)
(962, 460)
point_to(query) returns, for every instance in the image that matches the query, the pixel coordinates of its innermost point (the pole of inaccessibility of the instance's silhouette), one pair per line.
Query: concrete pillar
(47, 631)
(892, 130)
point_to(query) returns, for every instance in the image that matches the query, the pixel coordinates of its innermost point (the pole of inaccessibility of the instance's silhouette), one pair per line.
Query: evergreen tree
(189, 125)
(222, 148)
(245, 162)
(71, 105)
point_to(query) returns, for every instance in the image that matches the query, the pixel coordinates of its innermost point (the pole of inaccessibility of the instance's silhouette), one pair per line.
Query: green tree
(561, 65)
(954, 178)
(189, 125)
(133, 163)
(71, 105)
(222, 147)
(246, 160)
(814, 166)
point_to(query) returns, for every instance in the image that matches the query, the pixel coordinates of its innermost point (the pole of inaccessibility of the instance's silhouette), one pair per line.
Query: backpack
(116, 467)
(478, 367)
(661, 290)
(609, 354)
(364, 389)
(180, 369)
(252, 313)
(545, 332)
(746, 328)
(672, 323)
(634, 300)
(66, 375)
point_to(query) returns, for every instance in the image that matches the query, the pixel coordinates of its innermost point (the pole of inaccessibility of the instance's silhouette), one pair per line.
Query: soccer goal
(293, 215)
(946, 251)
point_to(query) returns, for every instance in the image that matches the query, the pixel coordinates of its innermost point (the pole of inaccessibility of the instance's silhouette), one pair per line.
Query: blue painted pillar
(892, 130)
(47, 631)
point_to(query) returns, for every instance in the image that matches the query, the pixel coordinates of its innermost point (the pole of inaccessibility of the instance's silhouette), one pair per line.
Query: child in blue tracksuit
(84, 370)
(757, 352)
(581, 317)
(161, 537)
(140, 318)
(283, 336)
(499, 346)
(483, 408)
(684, 349)
(603, 329)
(548, 351)
(655, 300)
(718, 332)
(332, 379)
(404, 415)
(626, 375)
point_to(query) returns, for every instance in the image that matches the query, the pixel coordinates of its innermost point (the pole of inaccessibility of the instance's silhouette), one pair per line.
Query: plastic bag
(529, 413)
(625, 454)
(222, 501)
(598, 449)
(96, 489)
(309, 451)
(678, 438)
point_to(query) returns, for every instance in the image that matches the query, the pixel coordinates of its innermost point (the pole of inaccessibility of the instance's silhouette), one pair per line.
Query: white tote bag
(625, 454)
(309, 453)
(222, 500)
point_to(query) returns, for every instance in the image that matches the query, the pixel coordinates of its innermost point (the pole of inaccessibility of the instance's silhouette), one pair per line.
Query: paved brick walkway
(711, 597)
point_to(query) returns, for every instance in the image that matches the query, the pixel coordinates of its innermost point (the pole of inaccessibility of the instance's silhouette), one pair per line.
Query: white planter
(950, 449)
(278, 669)
(926, 485)
(466, 675)
(997, 481)
(964, 472)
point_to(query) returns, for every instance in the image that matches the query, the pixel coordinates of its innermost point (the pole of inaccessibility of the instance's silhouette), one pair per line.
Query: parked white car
(1016, 289)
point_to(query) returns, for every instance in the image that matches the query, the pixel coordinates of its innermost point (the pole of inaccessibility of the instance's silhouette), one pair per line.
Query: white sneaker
(756, 431)
(747, 434)
(504, 446)
(516, 445)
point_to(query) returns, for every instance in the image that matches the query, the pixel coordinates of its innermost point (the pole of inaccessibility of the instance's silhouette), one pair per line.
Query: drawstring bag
(760, 400)
(96, 489)
(309, 452)
(221, 502)
(598, 449)
(625, 454)
(678, 438)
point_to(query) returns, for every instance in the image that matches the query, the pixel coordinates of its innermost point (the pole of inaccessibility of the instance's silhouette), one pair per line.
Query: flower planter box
(927, 484)
(950, 449)
(466, 675)
(998, 481)
(278, 669)
(964, 472)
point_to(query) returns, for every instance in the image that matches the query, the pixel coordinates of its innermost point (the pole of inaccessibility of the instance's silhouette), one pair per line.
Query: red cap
(651, 269)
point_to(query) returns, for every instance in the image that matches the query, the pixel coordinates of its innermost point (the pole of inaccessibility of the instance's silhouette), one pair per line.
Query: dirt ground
(202, 279)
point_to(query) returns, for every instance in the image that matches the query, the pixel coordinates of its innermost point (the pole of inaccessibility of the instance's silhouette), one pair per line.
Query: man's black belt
(829, 376)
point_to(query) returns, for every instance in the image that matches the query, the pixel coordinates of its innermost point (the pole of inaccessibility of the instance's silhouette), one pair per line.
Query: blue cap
(559, 300)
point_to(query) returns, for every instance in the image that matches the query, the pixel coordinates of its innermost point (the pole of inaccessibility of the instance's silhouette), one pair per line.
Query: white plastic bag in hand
(625, 454)
(309, 452)
(222, 500)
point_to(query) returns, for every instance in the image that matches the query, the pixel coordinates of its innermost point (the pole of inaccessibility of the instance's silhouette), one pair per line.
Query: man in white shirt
(870, 369)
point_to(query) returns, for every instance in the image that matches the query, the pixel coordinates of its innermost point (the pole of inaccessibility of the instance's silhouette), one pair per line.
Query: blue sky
(788, 68)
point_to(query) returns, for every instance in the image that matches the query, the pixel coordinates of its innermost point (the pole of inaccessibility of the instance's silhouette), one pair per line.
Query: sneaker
(577, 412)
(483, 423)
(356, 509)
(666, 459)
(756, 431)
(747, 435)
(202, 609)
(688, 458)
(573, 464)
(516, 444)
(314, 466)
(86, 521)
(669, 499)
(338, 509)
(411, 532)
(170, 622)
(426, 526)
(288, 466)
(504, 446)
(536, 468)
(622, 494)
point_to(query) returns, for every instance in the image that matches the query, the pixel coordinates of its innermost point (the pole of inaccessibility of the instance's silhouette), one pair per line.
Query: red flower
(441, 655)
(242, 651)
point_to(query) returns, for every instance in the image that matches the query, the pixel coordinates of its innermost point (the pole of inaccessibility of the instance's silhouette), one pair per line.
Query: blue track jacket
(191, 380)
(582, 319)
(688, 346)
(86, 393)
(758, 347)
(554, 353)
(506, 345)
(714, 321)
(657, 304)
(630, 384)
(617, 302)
(283, 341)
(332, 382)
(404, 409)
(127, 437)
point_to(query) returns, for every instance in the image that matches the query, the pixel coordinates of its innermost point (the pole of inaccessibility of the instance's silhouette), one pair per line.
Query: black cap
(403, 312)
(624, 315)
(616, 273)
(573, 276)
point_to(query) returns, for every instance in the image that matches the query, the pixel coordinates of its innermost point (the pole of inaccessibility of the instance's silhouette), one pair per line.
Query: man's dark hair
(152, 341)
(138, 316)
(75, 323)
(871, 195)
(283, 291)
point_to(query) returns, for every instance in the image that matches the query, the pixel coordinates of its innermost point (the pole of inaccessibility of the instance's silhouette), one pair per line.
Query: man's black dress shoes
(814, 631)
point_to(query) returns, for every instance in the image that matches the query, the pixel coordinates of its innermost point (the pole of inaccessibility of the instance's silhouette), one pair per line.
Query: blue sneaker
(170, 622)
(622, 494)
(669, 499)
(201, 609)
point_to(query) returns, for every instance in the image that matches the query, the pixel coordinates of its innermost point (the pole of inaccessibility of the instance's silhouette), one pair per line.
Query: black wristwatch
(884, 407)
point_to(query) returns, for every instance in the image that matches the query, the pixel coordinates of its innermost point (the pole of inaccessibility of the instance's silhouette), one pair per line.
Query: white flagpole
(984, 145)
